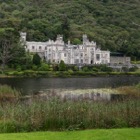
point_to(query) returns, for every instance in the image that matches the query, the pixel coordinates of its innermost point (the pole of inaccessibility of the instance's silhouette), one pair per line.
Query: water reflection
(33, 85)
(80, 95)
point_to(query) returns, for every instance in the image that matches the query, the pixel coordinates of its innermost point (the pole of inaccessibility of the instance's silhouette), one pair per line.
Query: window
(45, 48)
(97, 57)
(65, 54)
(81, 54)
(33, 47)
(40, 47)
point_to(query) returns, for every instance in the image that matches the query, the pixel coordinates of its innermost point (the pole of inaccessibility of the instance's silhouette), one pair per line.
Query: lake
(33, 85)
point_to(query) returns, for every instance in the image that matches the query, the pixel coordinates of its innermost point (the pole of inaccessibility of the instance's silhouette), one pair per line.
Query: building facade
(120, 60)
(55, 51)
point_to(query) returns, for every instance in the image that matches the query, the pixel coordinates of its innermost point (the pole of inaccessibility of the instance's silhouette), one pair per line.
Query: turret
(85, 39)
(23, 36)
(59, 38)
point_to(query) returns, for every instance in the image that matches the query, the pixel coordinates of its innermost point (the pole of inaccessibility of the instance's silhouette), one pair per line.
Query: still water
(33, 85)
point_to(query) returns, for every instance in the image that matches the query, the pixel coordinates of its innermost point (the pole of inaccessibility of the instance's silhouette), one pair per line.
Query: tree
(36, 59)
(8, 43)
(62, 66)
(76, 41)
(64, 28)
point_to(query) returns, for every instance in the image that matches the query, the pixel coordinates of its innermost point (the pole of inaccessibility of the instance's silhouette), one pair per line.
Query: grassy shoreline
(64, 74)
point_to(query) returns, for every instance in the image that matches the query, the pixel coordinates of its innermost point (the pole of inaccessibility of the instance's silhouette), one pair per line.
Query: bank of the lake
(96, 134)
(31, 73)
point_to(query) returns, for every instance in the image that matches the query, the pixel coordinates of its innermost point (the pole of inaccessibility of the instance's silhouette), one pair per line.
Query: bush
(18, 68)
(95, 69)
(36, 59)
(34, 67)
(30, 73)
(62, 66)
(44, 67)
(133, 69)
(85, 69)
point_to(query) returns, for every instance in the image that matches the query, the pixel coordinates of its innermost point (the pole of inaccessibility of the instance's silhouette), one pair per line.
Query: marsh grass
(69, 115)
(37, 114)
(132, 91)
(8, 94)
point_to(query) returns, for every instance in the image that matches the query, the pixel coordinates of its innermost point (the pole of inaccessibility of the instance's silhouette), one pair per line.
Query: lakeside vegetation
(102, 134)
(38, 68)
(53, 113)
(65, 74)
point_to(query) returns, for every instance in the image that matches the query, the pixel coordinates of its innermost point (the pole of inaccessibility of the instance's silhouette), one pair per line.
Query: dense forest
(113, 24)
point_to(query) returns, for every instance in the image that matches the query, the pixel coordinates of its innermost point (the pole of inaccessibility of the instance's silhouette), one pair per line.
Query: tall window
(33, 47)
(97, 57)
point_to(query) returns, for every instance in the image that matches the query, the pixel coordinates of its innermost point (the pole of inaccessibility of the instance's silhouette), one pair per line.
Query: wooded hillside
(113, 24)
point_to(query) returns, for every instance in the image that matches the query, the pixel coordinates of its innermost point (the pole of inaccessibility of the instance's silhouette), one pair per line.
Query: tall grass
(38, 114)
(69, 115)
(7, 93)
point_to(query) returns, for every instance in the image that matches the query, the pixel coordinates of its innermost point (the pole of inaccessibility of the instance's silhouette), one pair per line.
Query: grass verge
(97, 134)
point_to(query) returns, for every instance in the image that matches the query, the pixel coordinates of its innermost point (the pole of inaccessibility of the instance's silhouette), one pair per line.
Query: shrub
(62, 66)
(43, 67)
(133, 69)
(34, 67)
(95, 69)
(18, 68)
(85, 69)
(30, 73)
(36, 59)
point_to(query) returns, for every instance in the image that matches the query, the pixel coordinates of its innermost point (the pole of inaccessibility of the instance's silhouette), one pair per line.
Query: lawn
(97, 134)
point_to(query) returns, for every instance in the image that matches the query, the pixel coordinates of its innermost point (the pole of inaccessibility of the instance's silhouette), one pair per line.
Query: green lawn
(109, 134)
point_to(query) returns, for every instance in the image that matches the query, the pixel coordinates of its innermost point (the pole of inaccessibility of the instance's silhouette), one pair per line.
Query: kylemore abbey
(55, 51)
(86, 53)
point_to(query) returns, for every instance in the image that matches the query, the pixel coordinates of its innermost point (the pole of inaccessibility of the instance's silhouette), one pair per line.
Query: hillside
(113, 24)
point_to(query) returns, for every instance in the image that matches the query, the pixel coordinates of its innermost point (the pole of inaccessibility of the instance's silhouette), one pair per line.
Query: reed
(56, 114)
(40, 114)
(8, 94)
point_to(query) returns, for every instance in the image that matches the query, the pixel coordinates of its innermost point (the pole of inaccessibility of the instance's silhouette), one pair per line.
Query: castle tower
(23, 36)
(85, 39)
(60, 38)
